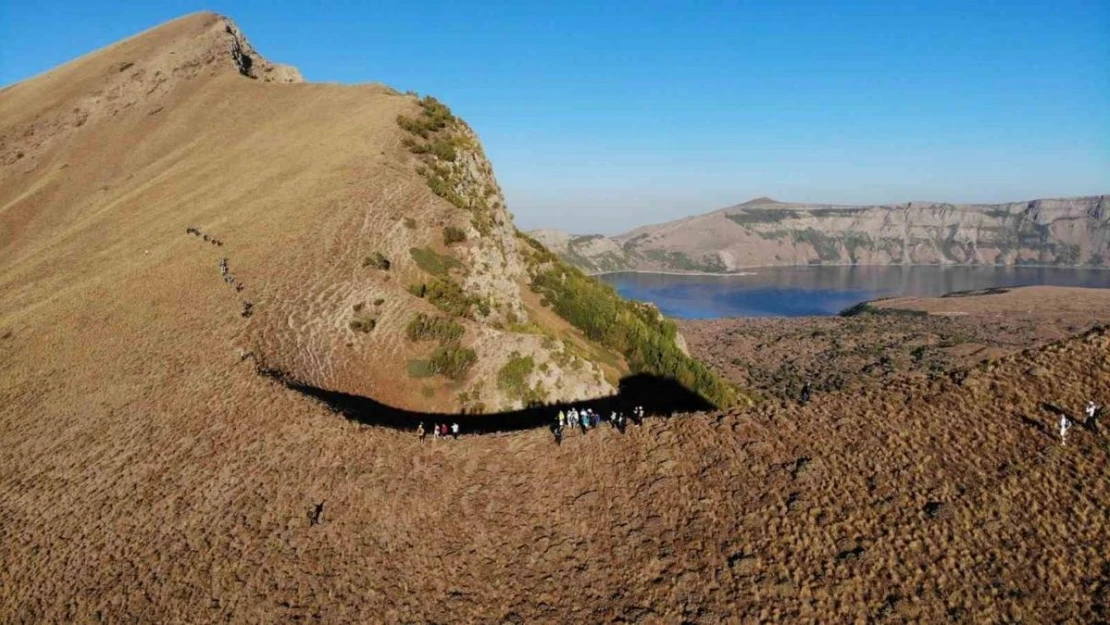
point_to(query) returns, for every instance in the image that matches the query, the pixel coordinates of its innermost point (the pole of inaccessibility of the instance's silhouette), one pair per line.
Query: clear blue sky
(601, 116)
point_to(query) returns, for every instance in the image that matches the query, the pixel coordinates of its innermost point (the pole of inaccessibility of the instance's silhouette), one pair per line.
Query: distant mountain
(760, 232)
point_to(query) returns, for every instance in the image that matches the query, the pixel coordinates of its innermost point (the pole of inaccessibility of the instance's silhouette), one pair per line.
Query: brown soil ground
(776, 356)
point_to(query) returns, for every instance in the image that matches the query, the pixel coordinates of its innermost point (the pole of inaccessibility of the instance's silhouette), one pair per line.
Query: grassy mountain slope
(339, 225)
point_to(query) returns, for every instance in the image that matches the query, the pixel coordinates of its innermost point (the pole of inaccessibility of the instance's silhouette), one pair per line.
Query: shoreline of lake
(745, 271)
(825, 290)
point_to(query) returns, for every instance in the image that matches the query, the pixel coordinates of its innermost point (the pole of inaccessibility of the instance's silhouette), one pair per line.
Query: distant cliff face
(1060, 232)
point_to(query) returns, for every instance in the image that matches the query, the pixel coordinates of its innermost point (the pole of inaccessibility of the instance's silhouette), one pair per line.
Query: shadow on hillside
(658, 396)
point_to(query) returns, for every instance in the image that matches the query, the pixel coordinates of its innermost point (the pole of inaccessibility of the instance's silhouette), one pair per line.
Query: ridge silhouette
(659, 396)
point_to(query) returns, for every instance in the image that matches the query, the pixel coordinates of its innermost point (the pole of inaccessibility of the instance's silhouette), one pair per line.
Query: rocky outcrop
(1058, 232)
(251, 64)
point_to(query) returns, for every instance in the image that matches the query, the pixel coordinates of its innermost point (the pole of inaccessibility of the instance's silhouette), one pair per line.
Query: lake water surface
(825, 290)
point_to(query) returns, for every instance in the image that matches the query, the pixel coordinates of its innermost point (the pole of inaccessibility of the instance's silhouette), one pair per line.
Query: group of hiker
(587, 419)
(439, 430)
(1093, 411)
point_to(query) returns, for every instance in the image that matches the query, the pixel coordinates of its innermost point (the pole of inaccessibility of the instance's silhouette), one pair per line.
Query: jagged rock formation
(762, 232)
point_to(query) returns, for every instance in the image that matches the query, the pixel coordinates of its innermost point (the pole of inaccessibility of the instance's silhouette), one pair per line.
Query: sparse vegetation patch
(427, 328)
(433, 262)
(446, 295)
(377, 260)
(452, 235)
(762, 216)
(363, 323)
(452, 361)
(440, 141)
(513, 377)
(638, 331)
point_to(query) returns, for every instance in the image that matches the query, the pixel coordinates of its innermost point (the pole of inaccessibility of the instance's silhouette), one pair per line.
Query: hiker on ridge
(1092, 411)
(420, 433)
(1065, 425)
(455, 430)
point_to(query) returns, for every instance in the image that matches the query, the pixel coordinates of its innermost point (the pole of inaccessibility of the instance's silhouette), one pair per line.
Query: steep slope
(304, 219)
(763, 232)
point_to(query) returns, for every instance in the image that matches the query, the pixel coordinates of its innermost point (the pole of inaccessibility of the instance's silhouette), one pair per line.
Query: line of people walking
(439, 430)
(588, 419)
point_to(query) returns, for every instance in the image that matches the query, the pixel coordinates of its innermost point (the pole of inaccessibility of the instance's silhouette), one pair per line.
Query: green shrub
(638, 331)
(439, 184)
(433, 262)
(440, 147)
(419, 290)
(434, 116)
(513, 377)
(446, 295)
(452, 361)
(452, 235)
(426, 328)
(377, 260)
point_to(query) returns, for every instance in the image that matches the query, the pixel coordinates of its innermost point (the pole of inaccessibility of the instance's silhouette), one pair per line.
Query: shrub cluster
(513, 380)
(443, 148)
(410, 223)
(452, 361)
(434, 116)
(446, 295)
(363, 324)
(443, 139)
(426, 328)
(377, 260)
(433, 262)
(638, 331)
(452, 235)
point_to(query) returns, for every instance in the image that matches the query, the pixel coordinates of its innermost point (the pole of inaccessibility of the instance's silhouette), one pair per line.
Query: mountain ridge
(1072, 231)
(364, 239)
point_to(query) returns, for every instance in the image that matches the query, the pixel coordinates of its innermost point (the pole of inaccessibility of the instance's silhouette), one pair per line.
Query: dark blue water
(802, 291)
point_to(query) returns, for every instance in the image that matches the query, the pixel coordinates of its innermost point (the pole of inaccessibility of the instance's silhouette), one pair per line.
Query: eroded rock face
(1059, 232)
(135, 77)
(251, 64)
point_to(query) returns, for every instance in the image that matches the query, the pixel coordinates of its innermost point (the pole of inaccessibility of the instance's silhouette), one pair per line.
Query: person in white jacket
(1065, 425)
